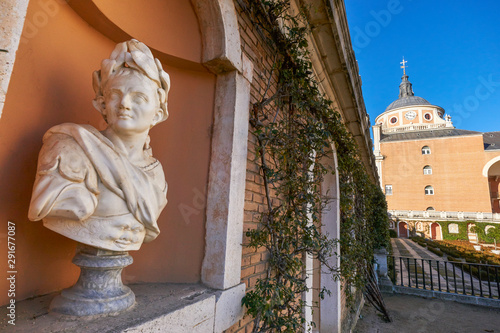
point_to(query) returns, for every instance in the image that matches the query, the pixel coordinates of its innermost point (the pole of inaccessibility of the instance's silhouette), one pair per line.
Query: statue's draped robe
(80, 156)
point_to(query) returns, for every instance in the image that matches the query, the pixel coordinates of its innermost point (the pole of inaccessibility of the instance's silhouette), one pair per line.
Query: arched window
(426, 150)
(427, 170)
(430, 208)
(429, 190)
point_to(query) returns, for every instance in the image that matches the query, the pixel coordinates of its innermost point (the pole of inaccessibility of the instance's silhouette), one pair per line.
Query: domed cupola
(406, 96)
(410, 112)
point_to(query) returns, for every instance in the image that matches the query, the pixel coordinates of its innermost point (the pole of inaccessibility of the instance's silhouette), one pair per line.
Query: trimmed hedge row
(470, 256)
(463, 232)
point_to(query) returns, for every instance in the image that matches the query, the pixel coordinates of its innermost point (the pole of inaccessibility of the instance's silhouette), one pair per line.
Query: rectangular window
(388, 189)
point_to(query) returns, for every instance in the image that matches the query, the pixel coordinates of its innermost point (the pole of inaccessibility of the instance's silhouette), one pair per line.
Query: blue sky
(453, 53)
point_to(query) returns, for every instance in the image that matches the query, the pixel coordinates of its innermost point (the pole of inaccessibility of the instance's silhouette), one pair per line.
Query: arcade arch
(492, 171)
(403, 230)
(436, 231)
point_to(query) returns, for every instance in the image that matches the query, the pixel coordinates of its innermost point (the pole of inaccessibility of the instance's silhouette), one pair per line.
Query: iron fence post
(471, 280)
(430, 273)
(423, 273)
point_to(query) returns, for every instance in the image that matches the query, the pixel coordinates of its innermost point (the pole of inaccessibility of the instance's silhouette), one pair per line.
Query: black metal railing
(447, 276)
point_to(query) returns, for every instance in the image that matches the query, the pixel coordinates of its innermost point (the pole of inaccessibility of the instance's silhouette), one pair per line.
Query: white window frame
(429, 190)
(426, 150)
(388, 190)
(427, 170)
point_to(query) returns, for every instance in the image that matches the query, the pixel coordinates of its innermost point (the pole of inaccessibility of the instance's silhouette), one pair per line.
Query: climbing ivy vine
(295, 126)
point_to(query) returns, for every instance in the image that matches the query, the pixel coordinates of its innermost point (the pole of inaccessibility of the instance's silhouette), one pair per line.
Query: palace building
(430, 170)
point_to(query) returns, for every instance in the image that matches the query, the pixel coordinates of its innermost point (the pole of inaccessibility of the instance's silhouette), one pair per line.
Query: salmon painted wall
(52, 84)
(457, 164)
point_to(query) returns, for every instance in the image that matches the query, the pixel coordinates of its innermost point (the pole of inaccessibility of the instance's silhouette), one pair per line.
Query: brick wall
(457, 165)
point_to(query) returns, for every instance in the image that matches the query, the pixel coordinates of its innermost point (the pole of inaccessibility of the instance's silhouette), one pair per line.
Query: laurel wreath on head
(137, 56)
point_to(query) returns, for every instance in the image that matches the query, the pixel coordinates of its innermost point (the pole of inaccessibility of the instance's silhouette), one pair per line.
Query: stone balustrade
(411, 127)
(444, 215)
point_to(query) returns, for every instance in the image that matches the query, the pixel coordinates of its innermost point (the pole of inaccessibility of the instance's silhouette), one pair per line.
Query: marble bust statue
(105, 189)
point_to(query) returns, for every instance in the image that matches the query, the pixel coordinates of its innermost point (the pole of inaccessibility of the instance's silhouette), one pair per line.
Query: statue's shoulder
(58, 142)
(70, 130)
(65, 137)
(61, 151)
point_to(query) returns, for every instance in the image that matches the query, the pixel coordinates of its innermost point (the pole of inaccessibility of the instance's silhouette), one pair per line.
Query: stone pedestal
(381, 259)
(99, 289)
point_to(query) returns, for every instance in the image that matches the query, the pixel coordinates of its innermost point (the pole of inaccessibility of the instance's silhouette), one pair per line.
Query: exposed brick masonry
(263, 56)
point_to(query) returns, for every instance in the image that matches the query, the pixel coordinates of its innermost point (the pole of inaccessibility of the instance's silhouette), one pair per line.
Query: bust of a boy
(105, 189)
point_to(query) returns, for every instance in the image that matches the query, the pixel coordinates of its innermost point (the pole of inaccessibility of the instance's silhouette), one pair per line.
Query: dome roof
(407, 101)
(406, 96)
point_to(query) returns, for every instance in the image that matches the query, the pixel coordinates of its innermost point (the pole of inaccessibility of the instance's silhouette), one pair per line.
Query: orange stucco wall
(52, 84)
(175, 31)
(457, 165)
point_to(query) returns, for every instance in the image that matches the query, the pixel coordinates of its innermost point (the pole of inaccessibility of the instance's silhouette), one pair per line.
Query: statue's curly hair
(136, 56)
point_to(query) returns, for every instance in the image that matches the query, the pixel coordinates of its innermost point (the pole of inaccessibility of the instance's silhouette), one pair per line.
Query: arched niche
(200, 36)
(169, 28)
(172, 31)
(54, 68)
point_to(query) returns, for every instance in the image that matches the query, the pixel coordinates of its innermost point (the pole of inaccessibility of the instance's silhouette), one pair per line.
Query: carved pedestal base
(99, 289)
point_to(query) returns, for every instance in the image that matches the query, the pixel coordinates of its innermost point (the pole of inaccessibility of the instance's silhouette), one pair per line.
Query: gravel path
(413, 314)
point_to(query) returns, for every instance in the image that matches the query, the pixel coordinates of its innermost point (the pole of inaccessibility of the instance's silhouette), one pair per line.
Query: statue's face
(131, 103)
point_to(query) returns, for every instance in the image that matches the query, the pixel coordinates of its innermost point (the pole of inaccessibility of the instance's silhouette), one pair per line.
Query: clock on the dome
(410, 115)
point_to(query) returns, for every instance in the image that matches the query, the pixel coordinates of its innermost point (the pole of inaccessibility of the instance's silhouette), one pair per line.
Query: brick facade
(253, 265)
(457, 165)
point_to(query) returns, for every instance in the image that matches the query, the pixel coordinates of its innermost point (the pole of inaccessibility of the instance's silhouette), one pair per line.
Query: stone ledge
(228, 309)
(159, 307)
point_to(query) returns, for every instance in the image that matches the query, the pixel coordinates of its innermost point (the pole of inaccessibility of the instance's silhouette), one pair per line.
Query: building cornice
(436, 138)
(337, 70)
